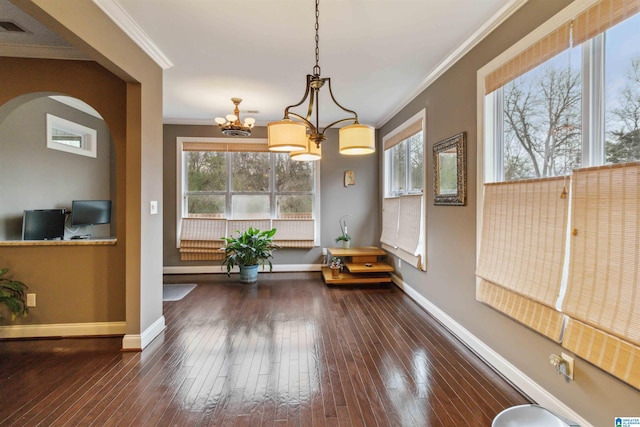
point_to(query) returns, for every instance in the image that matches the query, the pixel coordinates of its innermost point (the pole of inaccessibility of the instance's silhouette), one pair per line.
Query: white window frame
(385, 188)
(489, 165)
(88, 137)
(181, 181)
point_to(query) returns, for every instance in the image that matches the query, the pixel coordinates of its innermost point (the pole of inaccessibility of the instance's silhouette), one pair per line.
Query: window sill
(89, 242)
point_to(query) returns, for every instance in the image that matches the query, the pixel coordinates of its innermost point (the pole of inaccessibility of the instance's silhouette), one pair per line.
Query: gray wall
(359, 201)
(33, 176)
(449, 281)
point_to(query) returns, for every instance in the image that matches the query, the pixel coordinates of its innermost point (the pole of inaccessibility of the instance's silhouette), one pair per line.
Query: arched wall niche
(39, 177)
(74, 284)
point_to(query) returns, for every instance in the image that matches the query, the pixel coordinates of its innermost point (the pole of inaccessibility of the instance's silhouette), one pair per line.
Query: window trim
(181, 179)
(89, 137)
(420, 116)
(486, 155)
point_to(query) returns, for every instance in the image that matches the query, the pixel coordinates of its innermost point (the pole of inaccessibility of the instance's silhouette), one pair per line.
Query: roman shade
(522, 251)
(403, 228)
(595, 20)
(602, 296)
(201, 239)
(294, 233)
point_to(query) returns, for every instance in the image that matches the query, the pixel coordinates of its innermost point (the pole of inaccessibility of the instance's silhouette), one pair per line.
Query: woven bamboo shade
(538, 317)
(235, 226)
(612, 354)
(405, 133)
(593, 21)
(201, 239)
(604, 270)
(390, 211)
(409, 224)
(602, 16)
(543, 50)
(523, 237)
(223, 146)
(294, 233)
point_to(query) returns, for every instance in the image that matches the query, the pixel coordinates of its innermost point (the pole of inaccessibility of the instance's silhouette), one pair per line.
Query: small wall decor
(450, 171)
(349, 178)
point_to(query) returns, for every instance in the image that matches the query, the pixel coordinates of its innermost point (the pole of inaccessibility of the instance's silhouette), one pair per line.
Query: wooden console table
(360, 265)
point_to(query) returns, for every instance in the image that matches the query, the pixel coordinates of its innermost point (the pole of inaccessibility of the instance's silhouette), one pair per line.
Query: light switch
(153, 207)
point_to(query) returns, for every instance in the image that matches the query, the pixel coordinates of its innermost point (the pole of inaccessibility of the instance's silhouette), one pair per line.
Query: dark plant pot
(249, 273)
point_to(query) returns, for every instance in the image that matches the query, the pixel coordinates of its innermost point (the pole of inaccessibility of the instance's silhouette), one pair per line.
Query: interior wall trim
(217, 269)
(63, 330)
(138, 342)
(534, 390)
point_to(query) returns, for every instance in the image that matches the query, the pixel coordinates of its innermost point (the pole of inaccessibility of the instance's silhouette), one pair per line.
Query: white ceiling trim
(39, 51)
(465, 47)
(123, 20)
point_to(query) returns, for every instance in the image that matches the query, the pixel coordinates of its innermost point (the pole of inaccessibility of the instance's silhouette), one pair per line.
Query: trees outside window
(541, 125)
(248, 185)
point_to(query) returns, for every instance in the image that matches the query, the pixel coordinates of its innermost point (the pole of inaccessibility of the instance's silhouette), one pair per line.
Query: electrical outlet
(153, 207)
(324, 251)
(399, 263)
(31, 300)
(569, 361)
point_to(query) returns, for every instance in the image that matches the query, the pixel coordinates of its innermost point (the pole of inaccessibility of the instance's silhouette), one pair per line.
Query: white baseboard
(63, 330)
(540, 395)
(216, 269)
(137, 342)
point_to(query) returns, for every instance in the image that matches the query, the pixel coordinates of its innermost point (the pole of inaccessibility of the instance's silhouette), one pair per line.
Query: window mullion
(498, 134)
(593, 111)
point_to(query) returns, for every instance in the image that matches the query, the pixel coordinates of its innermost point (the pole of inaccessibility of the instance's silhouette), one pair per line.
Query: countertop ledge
(79, 242)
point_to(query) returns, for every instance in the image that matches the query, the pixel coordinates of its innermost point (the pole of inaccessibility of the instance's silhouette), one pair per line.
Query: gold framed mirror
(450, 171)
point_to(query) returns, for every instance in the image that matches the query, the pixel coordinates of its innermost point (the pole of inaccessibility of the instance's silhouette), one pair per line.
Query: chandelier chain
(316, 69)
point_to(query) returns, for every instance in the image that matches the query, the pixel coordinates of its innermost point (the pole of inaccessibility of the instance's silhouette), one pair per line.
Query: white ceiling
(379, 54)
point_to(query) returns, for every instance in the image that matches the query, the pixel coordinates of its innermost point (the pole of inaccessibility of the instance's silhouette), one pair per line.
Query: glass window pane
(398, 168)
(206, 171)
(204, 205)
(622, 92)
(416, 162)
(292, 175)
(542, 113)
(250, 206)
(291, 206)
(250, 172)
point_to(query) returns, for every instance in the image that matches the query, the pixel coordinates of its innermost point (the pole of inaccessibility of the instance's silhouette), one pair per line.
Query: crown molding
(122, 19)
(465, 47)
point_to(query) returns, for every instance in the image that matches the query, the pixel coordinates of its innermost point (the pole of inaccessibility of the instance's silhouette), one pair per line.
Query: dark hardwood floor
(287, 351)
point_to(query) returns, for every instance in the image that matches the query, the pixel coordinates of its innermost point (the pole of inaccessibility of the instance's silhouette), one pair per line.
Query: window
(403, 192)
(219, 178)
(64, 135)
(568, 108)
(560, 254)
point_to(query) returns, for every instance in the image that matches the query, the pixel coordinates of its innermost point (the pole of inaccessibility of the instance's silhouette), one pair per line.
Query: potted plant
(344, 236)
(12, 294)
(336, 267)
(248, 250)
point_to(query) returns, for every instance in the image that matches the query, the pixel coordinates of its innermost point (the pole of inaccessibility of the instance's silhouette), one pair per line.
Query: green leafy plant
(336, 263)
(13, 295)
(252, 247)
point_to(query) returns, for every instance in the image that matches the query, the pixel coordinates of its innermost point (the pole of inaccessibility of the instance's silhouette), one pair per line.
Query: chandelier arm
(304, 98)
(338, 104)
(306, 122)
(353, 119)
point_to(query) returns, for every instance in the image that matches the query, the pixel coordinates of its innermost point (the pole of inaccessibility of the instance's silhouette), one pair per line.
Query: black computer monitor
(90, 212)
(43, 224)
